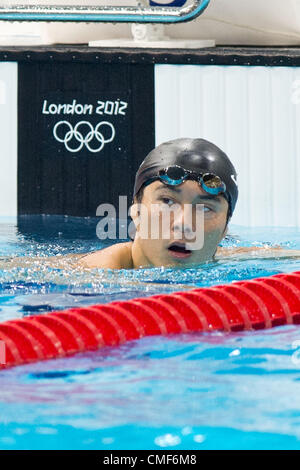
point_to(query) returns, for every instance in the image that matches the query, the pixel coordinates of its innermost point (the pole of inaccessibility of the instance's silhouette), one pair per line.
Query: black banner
(83, 131)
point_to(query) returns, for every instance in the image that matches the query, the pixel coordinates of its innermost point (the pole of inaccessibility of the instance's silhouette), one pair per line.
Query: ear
(225, 231)
(134, 214)
(133, 210)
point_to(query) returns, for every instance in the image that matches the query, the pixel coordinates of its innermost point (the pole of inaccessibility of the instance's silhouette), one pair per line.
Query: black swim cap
(197, 155)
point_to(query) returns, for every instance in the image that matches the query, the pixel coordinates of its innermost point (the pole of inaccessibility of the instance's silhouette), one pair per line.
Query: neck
(139, 260)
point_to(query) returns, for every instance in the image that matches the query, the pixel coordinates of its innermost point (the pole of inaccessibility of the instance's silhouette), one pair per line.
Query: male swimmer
(180, 173)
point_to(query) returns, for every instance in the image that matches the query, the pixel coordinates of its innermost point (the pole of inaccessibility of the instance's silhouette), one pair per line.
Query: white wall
(253, 115)
(8, 138)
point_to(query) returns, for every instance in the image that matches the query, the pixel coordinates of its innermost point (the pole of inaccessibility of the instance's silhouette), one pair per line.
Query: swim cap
(198, 155)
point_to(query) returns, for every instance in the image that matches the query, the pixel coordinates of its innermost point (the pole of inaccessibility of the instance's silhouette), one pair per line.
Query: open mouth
(178, 250)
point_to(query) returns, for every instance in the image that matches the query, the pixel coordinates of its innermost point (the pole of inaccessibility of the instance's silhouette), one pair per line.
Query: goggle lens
(174, 175)
(212, 181)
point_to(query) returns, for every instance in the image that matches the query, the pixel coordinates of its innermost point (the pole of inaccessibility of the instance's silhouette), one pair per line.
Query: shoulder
(227, 251)
(117, 256)
(233, 250)
(246, 252)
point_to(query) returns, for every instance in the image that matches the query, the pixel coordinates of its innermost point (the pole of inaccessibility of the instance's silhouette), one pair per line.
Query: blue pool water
(190, 391)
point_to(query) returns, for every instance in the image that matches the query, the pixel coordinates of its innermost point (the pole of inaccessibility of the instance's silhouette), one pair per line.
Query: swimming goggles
(175, 175)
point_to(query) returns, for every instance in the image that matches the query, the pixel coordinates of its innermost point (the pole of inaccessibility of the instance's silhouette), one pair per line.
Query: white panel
(284, 154)
(236, 121)
(165, 105)
(260, 142)
(253, 114)
(296, 134)
(8, 135)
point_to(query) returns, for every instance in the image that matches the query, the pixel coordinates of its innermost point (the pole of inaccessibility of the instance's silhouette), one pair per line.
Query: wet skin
(146, 251)
(153, 252)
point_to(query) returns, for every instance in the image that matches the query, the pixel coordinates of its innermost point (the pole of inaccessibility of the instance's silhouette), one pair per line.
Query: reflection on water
(189, 391)
(183, 390)
(29, 284)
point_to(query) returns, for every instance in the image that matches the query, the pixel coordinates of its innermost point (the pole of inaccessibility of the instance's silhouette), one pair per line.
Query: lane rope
(243, 305)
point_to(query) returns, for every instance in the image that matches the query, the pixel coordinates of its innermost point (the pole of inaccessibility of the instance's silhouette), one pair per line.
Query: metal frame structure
(117, 14)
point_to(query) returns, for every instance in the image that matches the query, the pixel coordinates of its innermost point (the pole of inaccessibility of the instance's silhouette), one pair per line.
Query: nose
(183, 221)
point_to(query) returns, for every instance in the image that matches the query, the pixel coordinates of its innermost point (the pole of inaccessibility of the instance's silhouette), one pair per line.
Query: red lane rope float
(243, 305)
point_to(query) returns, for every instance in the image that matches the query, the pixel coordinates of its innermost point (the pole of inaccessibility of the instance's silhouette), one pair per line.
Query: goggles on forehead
(175, 175)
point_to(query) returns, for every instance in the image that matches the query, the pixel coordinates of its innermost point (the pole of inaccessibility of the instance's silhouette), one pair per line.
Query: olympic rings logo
(83, 133)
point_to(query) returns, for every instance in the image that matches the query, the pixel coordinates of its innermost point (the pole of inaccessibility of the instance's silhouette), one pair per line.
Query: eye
(166, 200)
(206, 209)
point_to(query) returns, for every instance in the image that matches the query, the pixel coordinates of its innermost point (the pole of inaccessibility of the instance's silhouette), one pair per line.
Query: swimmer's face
(186, 198)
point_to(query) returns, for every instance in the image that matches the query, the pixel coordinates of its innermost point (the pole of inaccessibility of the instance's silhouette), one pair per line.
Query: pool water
(188, 391)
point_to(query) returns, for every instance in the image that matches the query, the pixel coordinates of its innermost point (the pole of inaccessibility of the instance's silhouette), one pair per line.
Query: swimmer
(186, 171)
